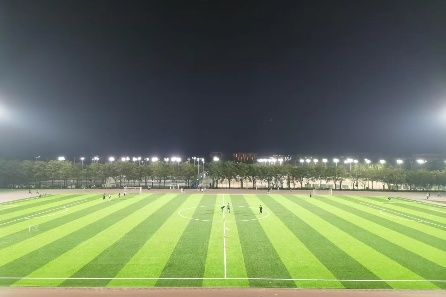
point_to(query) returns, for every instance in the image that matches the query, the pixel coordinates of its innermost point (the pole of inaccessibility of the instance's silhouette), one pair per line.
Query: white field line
(397, 213)
(223, 278)
(224, 240)
(42, 213)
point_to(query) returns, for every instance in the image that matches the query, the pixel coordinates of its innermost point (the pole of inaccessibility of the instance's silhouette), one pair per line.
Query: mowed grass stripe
(416, 207)
(189, 256)
(18, 205)
(408, 243)
(47, 206)
(328, 244)
(413, 266)
(214, 266)
(235, 263)
(17, 233)
(425, 228)
(425, 204)
(261, 259)
(298, 259)
(385, 222)
(386, 205)
(40, 257)
(151, 259)
(112, 259)
(16, 251)
(36, 221)
(91, 252)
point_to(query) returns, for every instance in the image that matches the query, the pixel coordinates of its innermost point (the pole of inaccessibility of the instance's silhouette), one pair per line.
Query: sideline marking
(222, 278)
(224, 239)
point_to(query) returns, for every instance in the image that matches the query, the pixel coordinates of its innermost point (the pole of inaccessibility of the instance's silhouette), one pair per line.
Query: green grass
(178, 240)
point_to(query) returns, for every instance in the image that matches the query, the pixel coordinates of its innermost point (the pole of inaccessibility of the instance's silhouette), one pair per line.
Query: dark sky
(190, 77)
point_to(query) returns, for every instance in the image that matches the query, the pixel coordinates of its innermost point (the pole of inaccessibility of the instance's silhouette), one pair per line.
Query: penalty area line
(223, 278)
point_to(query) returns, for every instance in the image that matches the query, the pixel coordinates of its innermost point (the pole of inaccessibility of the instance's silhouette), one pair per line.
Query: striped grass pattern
(176, 240)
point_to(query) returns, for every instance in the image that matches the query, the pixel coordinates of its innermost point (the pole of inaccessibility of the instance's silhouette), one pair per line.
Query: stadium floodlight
(123, 159)
(215, 159)
(308, 160)
(166, 159)
(315, 161)
(336, 160)
(82, 158)
(421, 161)
(355, 161)
(324, 160)
(382, 162)
(111, 159)
(95, 159)
(348, 161)
(280, 160)
(399, 161)
(301, 160)
(61, 158)
(367, 161)
(154, 159)
(139, 158)
(134, 159)
(175, 159)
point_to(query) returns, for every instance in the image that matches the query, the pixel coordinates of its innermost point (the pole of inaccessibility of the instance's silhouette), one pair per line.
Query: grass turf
(174, 240)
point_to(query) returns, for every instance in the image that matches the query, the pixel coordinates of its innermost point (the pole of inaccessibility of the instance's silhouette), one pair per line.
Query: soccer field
(175, 240)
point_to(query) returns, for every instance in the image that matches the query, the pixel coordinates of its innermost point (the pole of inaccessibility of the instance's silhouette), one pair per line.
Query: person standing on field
(260, 209)
(228, 207)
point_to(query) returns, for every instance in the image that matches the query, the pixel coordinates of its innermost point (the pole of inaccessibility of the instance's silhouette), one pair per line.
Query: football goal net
(129, 190)
(325, 192)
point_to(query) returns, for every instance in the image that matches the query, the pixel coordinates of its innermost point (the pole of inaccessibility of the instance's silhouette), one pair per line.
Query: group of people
(228, 208)
(110, 196)
(39, 195)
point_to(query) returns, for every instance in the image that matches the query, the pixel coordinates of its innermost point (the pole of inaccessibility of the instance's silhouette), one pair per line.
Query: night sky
(192, 77)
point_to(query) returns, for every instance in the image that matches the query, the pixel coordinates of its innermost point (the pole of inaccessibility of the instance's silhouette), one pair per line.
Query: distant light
(166, 159)
(399, 161)
(315, 160)
(61, 158)
(355, 161)
(215, 159)
(154, 159)
(324, 160)
(367, 161)
(421, 161)
(308, 160)
(302, 160)
(175, 159)
(123, 159)
(348, 161)
(134, 159)
(111, 159)
(382, 162)
(147, 159)
(95, 158)
(82, 158)
(335, 160)
(139, 158)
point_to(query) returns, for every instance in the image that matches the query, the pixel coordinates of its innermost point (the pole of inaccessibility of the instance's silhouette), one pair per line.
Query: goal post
(324, 192)
(132, 190)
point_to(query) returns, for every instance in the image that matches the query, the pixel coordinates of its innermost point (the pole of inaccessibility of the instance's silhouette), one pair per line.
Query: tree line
(18, 173)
